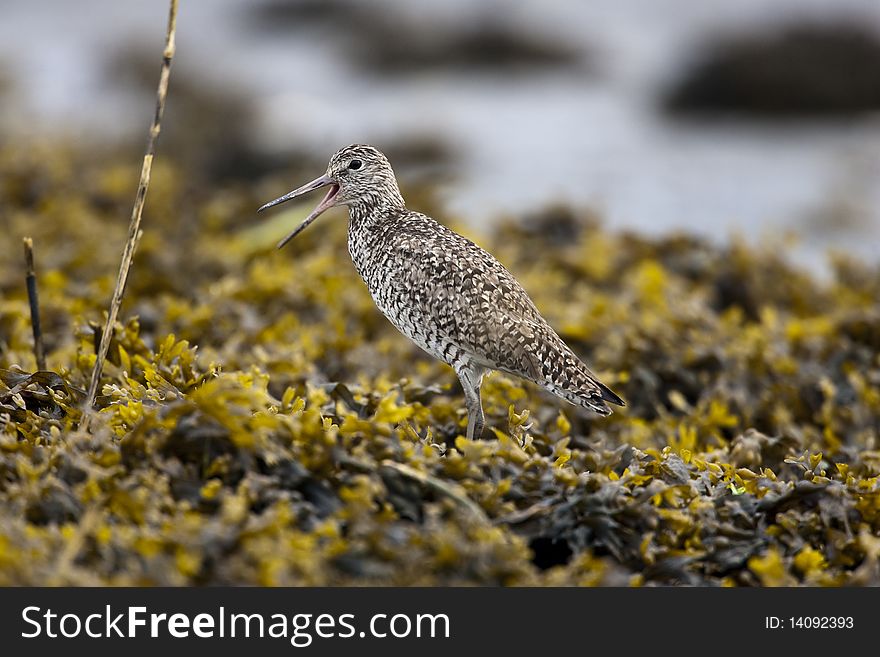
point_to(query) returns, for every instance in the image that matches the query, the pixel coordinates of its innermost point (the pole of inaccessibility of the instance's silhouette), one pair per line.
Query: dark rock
(805, 70)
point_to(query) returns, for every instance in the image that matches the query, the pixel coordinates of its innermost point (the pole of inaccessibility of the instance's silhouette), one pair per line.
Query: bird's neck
(374, 210)
(368, 225)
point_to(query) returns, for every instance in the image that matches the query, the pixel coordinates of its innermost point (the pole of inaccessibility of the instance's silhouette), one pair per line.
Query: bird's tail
(582, 388)
(587, 399)
(556, 368)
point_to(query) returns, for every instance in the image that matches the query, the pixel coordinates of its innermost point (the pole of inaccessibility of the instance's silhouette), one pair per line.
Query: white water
(588, 140)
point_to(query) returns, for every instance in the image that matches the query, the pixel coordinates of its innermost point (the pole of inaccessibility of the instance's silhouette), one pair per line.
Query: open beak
(328, 202)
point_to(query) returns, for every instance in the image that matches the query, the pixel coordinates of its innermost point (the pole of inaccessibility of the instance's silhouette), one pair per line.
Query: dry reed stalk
(134, 229)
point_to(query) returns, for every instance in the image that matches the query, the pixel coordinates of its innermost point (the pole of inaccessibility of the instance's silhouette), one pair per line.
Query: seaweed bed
(261, 423)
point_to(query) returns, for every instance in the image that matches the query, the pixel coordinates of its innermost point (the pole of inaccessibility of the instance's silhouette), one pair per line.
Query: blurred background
(754, 118)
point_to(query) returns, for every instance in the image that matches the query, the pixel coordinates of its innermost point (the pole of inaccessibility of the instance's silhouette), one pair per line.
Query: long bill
(328, 202)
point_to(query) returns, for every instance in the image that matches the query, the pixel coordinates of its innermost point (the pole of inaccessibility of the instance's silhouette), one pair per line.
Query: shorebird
(442, 291)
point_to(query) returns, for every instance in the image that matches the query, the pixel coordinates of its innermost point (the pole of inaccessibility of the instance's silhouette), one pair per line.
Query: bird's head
(357, 175)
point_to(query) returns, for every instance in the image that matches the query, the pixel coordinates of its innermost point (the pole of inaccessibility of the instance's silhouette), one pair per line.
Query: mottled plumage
(445, 293)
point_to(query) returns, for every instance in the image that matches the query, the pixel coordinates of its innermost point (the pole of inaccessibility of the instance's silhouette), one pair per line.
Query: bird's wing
(489, 315)
(488, 312)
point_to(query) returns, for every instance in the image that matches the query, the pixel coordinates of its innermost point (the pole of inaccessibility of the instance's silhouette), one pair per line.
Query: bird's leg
(471, 378)
(475, 419)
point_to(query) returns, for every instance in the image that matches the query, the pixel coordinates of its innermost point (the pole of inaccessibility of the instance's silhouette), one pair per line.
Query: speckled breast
(396, 289)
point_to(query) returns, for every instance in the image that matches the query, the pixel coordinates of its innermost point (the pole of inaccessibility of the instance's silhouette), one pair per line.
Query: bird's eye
(354, 165)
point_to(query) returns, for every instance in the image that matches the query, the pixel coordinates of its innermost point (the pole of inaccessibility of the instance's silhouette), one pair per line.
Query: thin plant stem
(34, 302)
(134, 228)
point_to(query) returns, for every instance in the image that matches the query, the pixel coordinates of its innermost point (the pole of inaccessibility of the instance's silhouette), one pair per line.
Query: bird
(449, 296)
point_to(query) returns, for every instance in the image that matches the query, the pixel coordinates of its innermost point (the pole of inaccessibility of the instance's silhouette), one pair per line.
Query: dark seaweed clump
(394, 43)
(261, 423)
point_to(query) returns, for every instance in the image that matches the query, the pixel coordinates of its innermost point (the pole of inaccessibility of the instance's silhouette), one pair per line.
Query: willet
(443, 292)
